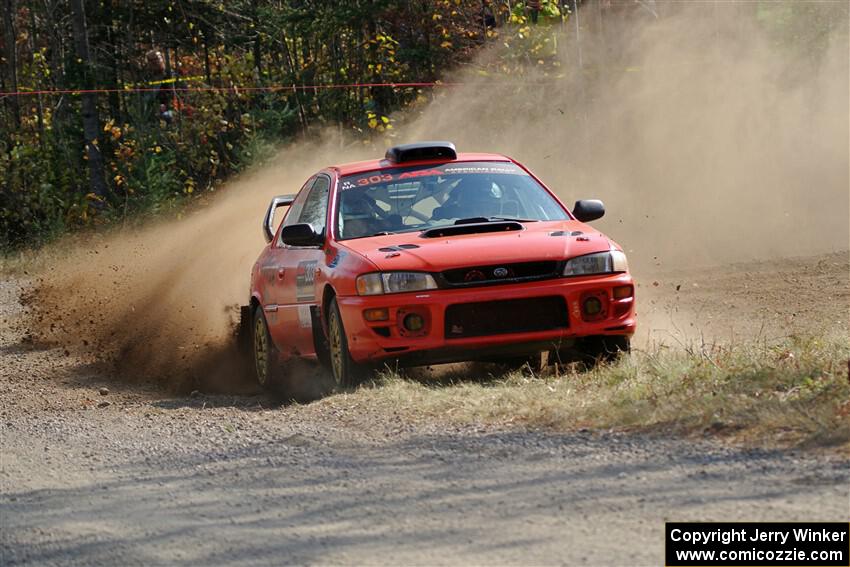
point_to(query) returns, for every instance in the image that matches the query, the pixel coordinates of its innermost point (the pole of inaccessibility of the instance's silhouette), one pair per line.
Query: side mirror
(588, 209)
(301, 234)
(268, 220)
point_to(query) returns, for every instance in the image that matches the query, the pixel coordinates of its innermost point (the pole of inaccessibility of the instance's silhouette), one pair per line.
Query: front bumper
(371, 342)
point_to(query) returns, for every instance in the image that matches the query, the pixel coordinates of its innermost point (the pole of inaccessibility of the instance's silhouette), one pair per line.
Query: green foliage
(221, 57)
(806, 28)
(549, 11)
(224, 53)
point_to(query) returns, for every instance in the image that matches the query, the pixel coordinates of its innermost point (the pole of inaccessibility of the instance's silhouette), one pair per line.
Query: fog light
(414, 322)
(378, 314)
(622, 308)
(623, 291)
(592, 306)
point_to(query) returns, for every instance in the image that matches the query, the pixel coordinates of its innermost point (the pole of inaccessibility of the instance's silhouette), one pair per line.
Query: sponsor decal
(373, 178)
(268, 272)
(576, 310)
(334, 262)
(501, 168)
(305, 278)
(420, 173)
(305, 317)
(474, 276)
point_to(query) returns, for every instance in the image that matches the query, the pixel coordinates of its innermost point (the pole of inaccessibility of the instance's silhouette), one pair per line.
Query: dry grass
(796, 393)
(25, 262)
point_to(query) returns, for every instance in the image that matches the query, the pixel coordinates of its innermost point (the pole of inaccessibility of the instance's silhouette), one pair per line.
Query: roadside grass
(19, 263)
(792, 393)
(30, 261)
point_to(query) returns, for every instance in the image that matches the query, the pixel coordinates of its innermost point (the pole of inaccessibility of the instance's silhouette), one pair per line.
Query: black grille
(500, 317)
(501, 273)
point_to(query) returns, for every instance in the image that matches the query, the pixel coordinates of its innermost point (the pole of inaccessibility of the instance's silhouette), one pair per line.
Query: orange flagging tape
(235, 89)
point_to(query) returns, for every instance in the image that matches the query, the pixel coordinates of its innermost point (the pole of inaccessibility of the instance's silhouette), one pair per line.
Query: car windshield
(422, 197)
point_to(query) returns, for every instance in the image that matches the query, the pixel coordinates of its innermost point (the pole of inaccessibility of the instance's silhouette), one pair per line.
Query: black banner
(743, 544)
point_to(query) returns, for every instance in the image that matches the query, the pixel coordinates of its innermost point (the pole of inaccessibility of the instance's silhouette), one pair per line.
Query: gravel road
(99, 472)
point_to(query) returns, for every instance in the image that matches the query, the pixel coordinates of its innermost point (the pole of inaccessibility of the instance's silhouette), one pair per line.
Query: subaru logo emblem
(500, 272)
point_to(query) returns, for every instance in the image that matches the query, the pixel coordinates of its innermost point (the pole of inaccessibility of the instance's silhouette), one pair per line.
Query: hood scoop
(399, 247)
(471, 228)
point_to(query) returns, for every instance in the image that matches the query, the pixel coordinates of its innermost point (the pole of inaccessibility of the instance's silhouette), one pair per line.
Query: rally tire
(533, 363)
(264, 353)
(346, 373)
(604, 349)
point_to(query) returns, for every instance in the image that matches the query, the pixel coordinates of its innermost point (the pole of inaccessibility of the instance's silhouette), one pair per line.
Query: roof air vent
(421, 151)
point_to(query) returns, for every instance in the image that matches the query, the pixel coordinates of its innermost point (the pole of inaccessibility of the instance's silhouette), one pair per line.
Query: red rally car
(429, 256)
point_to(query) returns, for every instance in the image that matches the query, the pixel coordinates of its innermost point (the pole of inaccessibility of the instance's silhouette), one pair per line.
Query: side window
(294, 212)
(315, 209)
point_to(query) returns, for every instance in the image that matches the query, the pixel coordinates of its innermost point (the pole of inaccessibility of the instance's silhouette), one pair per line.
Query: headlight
(599, 263)
(394, 282)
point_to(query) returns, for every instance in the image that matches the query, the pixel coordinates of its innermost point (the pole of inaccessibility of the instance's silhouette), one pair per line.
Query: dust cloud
(161, 302)
(708, 141)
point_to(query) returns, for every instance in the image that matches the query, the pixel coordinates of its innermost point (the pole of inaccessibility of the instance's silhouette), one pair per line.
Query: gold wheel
(261, 349)
(346, 372)
(336, 348)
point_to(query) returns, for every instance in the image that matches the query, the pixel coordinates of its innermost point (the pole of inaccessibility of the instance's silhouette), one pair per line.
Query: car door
(273, 273)
(298, 298)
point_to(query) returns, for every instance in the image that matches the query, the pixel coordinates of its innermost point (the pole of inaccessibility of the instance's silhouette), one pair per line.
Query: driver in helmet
(473, 196)
(358, 216)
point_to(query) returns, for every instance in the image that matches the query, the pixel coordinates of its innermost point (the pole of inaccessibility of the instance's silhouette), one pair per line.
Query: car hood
(537, 241)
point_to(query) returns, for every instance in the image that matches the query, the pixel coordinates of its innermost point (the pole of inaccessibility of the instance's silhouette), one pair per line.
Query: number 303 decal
(372, 179)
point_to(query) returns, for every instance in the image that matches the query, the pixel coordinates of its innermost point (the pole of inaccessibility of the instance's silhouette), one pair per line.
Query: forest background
(112, 111)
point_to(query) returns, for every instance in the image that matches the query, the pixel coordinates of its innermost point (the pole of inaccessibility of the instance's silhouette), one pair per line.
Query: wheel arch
(320, 325)
(328, 294)
(245, 328)
(255, 302)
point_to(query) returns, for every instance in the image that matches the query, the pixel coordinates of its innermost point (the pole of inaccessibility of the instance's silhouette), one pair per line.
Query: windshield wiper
(367, 235)
(471, 220)
(515, 219)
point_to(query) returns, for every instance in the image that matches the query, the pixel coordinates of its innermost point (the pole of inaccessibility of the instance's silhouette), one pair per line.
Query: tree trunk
(207, 72)
(91, 119)
(114, 62)
(258, 53)
(292, 69)
(56, 61)
(9, 37)
(39, 104)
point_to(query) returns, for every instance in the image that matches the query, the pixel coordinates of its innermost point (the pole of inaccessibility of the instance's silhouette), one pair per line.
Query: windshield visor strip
(418, 198)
